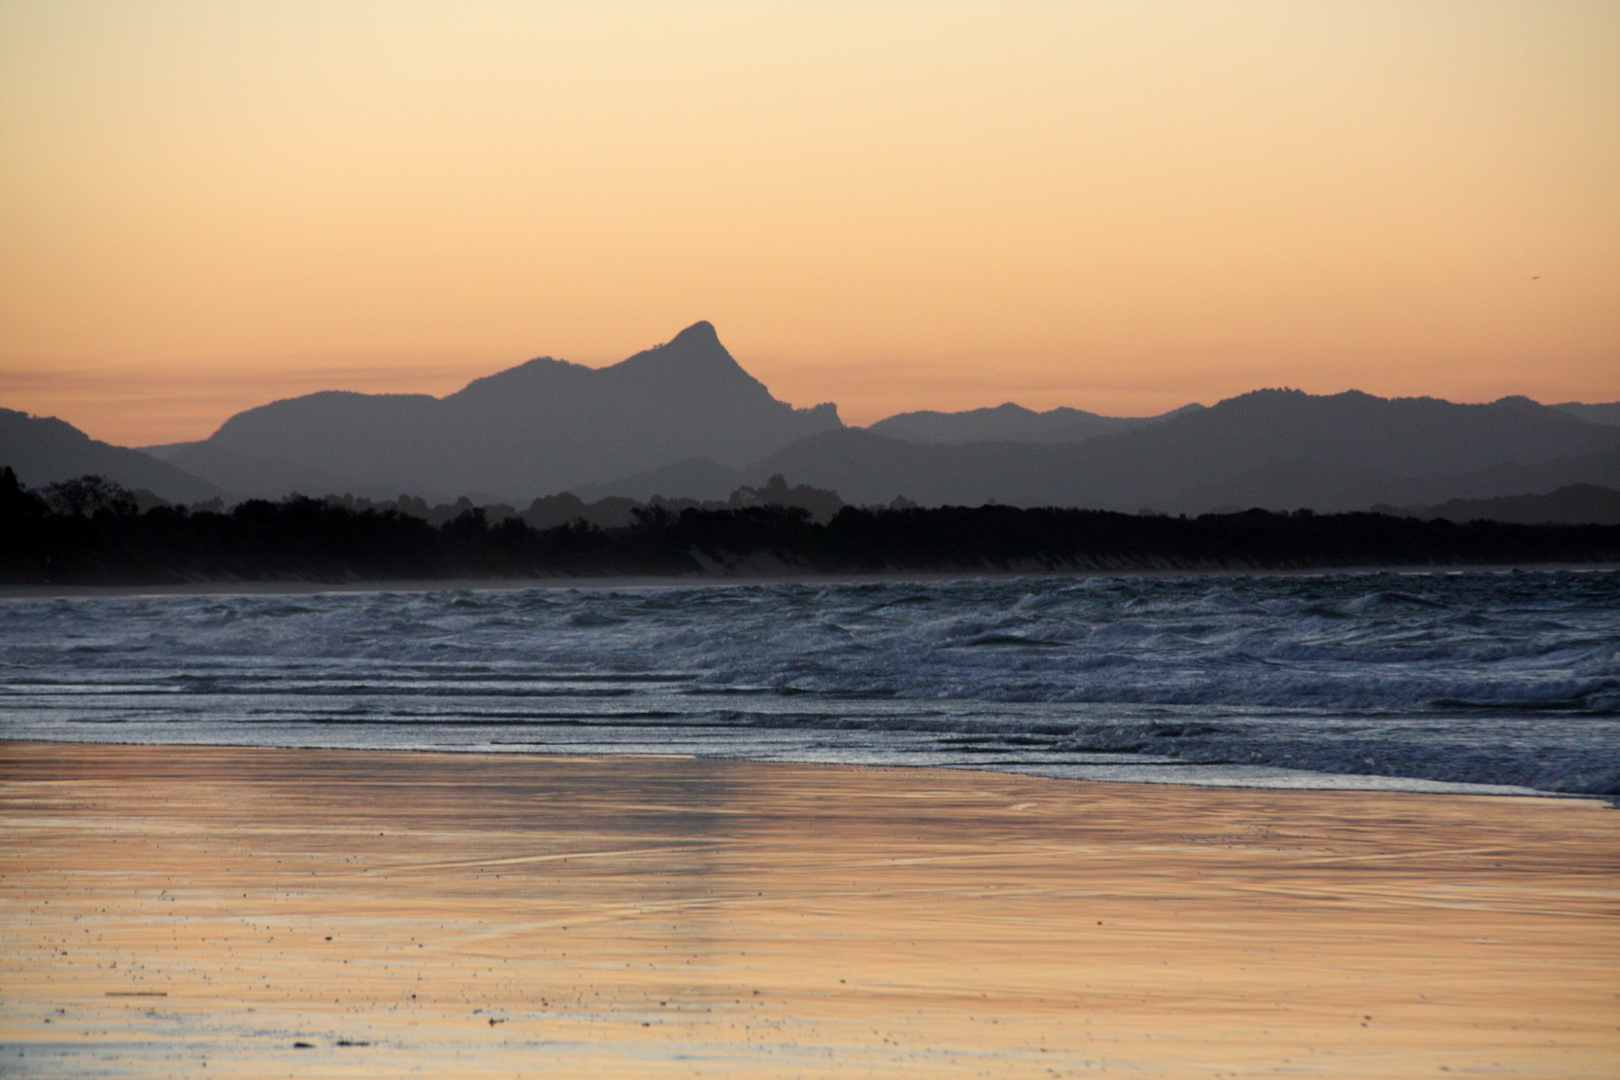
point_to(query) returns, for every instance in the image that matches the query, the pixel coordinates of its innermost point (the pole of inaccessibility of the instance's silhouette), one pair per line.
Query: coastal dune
(203, 911)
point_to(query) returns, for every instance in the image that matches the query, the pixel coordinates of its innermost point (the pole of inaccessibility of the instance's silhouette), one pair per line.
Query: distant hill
(1594, 414)
(1277, 449)
(542, 427)
(1573, 504)
(1010, 423)
(695, 478)
(43, 450)
(247, 477)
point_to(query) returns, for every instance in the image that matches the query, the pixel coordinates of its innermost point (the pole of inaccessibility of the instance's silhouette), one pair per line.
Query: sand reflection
(344, 913)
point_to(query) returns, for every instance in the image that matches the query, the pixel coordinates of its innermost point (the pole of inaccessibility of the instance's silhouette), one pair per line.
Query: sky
(1116, 207)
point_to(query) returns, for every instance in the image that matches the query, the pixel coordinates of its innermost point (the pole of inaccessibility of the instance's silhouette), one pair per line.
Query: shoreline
(248, 911)
(1348, 783)
(763, 577)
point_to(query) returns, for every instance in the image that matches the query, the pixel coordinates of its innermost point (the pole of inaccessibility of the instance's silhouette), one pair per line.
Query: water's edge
(1501, 682)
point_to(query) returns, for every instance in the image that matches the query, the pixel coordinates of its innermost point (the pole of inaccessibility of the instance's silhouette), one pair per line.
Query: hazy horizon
(208, 206)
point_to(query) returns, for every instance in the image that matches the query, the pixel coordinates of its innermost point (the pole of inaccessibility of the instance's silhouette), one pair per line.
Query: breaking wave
(1510, 680)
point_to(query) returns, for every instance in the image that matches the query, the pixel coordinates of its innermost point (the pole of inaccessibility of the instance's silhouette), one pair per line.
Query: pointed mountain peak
(695, 349)
(699, 333)
(697, 342)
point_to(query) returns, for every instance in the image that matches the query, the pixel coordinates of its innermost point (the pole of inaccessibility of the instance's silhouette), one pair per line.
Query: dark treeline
(90, 532)
(612, 511)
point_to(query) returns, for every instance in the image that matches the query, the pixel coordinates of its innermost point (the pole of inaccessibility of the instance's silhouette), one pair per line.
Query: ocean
(1449, 682)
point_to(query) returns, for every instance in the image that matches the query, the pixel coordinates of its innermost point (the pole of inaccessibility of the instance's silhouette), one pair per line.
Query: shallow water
(1399, 681)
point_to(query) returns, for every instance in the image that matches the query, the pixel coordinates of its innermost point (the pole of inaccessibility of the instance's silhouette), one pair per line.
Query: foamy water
(1407, 682)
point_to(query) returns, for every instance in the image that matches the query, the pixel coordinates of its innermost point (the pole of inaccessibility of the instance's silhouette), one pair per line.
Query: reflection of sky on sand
(468, 915)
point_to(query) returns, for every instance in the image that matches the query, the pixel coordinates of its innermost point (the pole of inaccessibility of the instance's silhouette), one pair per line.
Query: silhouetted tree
(16, 501)
(86, 495)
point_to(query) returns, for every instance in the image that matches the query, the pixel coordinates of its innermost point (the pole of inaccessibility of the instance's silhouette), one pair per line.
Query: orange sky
(1119, 207)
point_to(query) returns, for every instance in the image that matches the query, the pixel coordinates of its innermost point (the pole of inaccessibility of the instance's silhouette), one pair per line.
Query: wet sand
(202, 912)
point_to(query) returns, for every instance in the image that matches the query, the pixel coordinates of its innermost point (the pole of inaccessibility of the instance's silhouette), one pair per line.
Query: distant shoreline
(305, 540)
(291, 587)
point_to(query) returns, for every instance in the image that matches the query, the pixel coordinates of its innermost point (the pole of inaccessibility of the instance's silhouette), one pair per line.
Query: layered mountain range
(542, 427)
(685, 420)
(1277, 449)
(43, 449)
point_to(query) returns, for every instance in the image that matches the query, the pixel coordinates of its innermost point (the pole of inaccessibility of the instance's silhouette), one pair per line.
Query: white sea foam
(1385, 680)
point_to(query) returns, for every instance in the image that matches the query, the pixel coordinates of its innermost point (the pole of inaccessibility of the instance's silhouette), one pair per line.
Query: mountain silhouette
(1012, 423)
(43, 450)
(1573, 504)
(247, 477)
(695, 478)
(1278, 449)
(1606, 413)
(544, 426)
(684, 420)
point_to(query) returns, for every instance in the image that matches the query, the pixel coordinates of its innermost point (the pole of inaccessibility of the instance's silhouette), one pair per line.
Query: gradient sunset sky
(1121, 207)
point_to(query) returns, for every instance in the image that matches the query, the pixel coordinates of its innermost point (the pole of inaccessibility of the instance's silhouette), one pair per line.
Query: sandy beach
(174, 911)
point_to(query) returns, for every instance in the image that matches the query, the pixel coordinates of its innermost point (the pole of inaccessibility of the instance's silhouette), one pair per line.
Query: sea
(1468, 682)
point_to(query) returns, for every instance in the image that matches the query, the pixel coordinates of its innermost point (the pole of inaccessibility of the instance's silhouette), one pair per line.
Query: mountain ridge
(1572, 504)
(1367, 444)
(684, 420)
(1010, 421)
(535, 428)
(43, 450)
